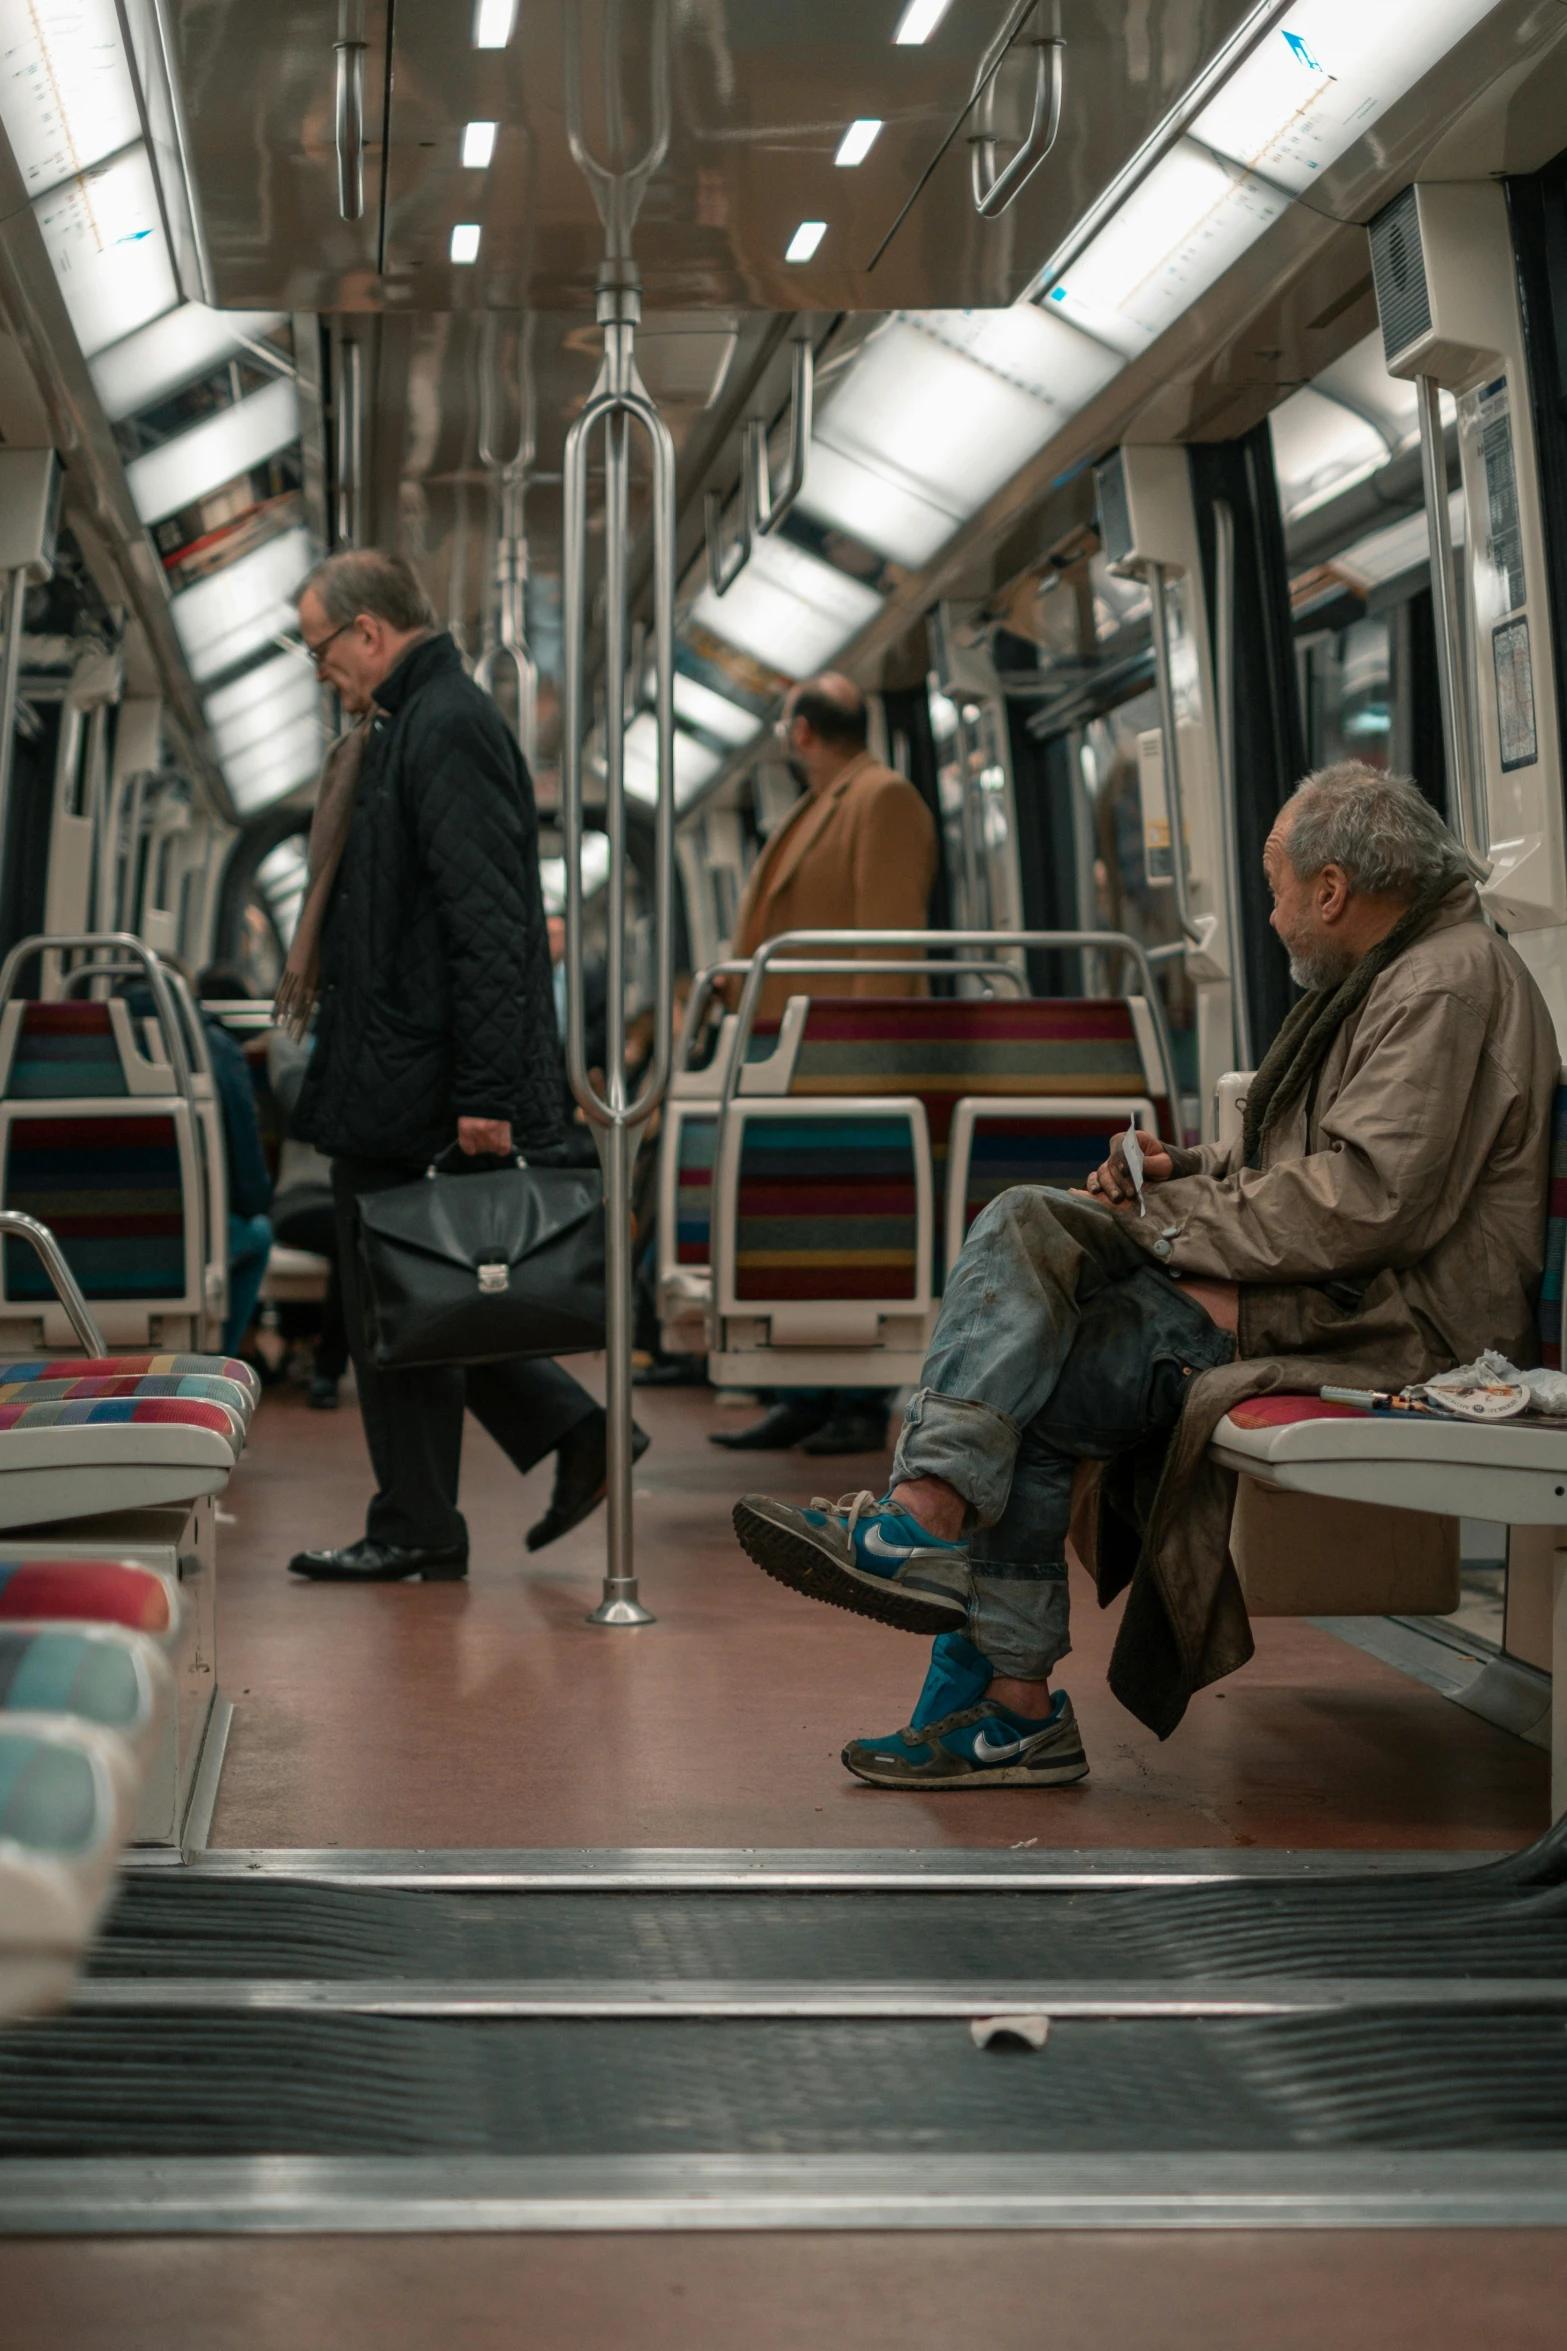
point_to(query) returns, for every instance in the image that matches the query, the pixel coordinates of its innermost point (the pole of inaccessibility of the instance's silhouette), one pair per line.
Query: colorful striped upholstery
(66, 1052)
(1010, 1151)
(70, 1367)
(51, 1799)
(201, 1388)
(1549, 1310)
(109, 1190)
(694, 1189)
(89, 1591)
(119, 1411)
(827, 1209)
(90, 1674)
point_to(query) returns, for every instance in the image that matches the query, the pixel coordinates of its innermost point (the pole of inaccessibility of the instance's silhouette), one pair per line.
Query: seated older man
(1382, 1215)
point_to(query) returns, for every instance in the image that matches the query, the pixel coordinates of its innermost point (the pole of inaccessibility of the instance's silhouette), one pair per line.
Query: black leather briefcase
(479, 1268)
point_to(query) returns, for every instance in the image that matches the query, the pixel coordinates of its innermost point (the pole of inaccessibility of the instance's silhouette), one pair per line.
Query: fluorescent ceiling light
(1397, 548)
(924, 428)
(494, 22)
(806, 238)
(234, 612)
(1318, 82)
(857, 141)
(465, 241)
(918, 21)
(1360, 379)
(288, 758)
(104, 235)
(272, 695)
(789, 609)
(214, 451)
(1172, 238)
(714, 713)
(66, 96)
(695, 763)
(186, 343)
(478, 145)
(595, 872)
(1319, 449)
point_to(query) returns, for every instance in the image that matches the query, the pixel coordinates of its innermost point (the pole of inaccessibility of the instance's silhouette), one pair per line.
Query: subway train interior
(1143, 404)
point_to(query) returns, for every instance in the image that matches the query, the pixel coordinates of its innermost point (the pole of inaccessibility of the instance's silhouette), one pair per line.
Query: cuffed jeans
(1059, 1340)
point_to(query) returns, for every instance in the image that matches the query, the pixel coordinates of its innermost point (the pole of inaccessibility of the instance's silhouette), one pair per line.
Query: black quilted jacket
(436, 1001)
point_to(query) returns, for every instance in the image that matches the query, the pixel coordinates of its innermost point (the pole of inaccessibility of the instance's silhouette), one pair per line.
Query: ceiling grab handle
(993, 192)
(505, 632)
(769, 506)
(349, 50)
(1452, 672)
(618, 403)
(1169, 731)
(1224, 714)
(66, 1289)
(723, 569)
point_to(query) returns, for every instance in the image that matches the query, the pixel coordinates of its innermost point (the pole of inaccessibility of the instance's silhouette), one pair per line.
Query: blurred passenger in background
(857, 852)
(249, 1178)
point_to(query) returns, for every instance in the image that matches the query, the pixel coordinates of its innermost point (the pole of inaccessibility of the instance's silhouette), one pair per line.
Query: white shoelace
(851, 1508)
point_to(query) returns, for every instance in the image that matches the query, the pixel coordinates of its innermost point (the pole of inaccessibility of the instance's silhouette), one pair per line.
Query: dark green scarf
(1309, 1028)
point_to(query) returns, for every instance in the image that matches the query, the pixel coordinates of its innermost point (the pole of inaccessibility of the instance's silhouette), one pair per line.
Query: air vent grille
(1399, 273)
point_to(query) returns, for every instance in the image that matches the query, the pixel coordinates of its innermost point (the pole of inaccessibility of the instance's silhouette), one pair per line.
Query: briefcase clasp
(493, 1278)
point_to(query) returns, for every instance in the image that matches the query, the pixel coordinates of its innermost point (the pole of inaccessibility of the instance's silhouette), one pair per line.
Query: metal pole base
(621, 1611)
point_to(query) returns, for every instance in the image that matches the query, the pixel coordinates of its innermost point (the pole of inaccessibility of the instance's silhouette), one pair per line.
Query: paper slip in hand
(1132, 1152)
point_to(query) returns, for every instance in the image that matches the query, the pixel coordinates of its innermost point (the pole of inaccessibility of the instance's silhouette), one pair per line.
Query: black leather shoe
(365, 1562)
(321, 1395)
(581, 1478)
(781, 1425)
(851, 1428)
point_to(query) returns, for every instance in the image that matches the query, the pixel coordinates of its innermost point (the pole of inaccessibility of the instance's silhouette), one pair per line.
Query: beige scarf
(301, 982)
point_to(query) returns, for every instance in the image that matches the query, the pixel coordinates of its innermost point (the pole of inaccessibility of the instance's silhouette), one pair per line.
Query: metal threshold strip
(381, 2195)
(535, 1997)
(698, 1869)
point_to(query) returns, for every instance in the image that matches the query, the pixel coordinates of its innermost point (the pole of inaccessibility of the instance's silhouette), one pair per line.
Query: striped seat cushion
(51, 1799)
(119, 1412)
(1010, 1151)
(1549, 1309)
(201, 1386)
(84, 1591)
(827, 1209)
(109, 1190)
(95, 1675)
(694, 1190)
(66, 1052)
(71, 1367)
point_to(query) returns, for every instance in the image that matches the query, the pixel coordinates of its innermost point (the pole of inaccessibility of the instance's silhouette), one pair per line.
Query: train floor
(490, 1716)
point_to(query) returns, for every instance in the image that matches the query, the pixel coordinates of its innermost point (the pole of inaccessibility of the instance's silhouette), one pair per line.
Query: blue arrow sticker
(1303, 53)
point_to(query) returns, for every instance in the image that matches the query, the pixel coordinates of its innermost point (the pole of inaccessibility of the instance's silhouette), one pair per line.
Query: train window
(977, 823)
(1104, 762)
(1346, 691)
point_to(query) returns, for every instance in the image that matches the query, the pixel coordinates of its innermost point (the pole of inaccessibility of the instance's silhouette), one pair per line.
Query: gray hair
(364, 580)
(1381, 829)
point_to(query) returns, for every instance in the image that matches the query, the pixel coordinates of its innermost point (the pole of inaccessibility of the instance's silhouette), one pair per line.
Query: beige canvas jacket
(859, 856)
(1394, 1228)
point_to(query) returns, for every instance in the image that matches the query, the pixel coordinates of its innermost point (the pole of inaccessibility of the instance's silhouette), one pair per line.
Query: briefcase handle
(478, 1162)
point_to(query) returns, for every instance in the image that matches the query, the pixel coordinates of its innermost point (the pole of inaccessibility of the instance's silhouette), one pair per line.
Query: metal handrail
(769, 506)
(28, 1228)
(845, 966)
(142, 958)
(1451, 671)
(993, 192)
(1156, 574)
(723, 570)
(618, 402)
(1224, 714)
(349, 50)
(505, 635)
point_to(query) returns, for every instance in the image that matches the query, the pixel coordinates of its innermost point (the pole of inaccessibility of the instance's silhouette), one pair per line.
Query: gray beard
(1320, 969)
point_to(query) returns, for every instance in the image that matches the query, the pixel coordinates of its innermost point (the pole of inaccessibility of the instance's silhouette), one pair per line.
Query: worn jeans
(1059, 1340)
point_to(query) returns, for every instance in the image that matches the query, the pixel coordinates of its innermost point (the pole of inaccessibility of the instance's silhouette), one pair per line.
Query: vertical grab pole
(1164, 677)
(1452, 676)
(1224, 712)
(618, 401)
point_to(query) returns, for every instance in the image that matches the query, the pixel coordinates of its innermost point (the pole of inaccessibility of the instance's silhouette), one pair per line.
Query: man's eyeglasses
(317, 650)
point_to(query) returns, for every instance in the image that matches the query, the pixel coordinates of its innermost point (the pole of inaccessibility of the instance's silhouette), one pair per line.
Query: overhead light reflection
(918, 21)
(478, 146)
(465, 241)
(494, 22)
(857, 141)
(806, 238)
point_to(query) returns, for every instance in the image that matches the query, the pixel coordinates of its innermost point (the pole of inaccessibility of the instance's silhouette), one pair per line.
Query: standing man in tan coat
(858, 852)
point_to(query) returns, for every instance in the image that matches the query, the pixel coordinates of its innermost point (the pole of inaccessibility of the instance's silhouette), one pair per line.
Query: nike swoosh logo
(879, 1548)
(984, 1752)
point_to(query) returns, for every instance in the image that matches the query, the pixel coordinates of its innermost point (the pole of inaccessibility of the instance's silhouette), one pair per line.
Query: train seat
(98, 1142)
(69, 1790)
(104, 1591)
(231, 1370)
(868, 1116)
(98, 1672)
(76, 1459)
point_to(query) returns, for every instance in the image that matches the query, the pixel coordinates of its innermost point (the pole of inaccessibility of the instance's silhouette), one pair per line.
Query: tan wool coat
(1395, 1227)
(860, 855)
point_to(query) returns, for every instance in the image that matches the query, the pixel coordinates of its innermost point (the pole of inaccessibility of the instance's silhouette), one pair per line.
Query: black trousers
(413, 1419)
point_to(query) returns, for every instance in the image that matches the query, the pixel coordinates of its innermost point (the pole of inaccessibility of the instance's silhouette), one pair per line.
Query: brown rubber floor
(489, 1714)
(1245, 2291)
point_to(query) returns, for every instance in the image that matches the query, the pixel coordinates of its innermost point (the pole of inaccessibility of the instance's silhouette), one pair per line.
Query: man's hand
(1112, 1182)
(491, 1136)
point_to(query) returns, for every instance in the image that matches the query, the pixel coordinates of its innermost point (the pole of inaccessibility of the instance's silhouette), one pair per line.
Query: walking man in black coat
(421, 948)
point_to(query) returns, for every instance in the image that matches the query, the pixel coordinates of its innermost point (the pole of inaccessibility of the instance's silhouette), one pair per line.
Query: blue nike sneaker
(983, 1745)
(861, 1554)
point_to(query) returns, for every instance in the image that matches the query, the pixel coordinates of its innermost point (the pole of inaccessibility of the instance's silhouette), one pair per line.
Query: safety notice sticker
(1514, 694)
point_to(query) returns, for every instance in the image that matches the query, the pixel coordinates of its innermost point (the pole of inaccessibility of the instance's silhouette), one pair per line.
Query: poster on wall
(1514, 695)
